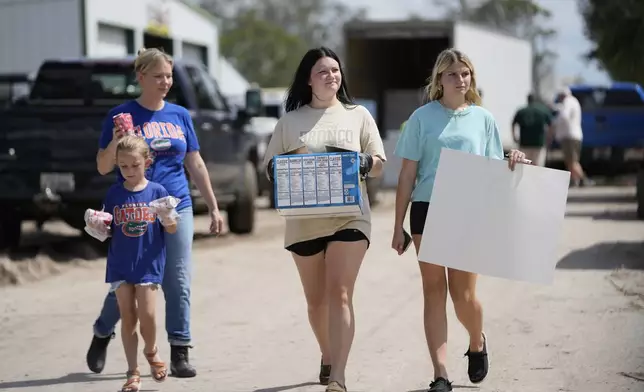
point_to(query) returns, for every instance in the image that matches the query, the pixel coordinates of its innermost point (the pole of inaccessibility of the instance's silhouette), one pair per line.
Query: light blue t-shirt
(432, 127)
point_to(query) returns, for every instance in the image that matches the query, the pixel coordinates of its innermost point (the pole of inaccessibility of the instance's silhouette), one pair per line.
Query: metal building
(34, 30)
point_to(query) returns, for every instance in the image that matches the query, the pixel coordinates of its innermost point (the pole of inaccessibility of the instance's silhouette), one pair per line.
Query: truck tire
(241, 214)
(640, 193)
(10, 230)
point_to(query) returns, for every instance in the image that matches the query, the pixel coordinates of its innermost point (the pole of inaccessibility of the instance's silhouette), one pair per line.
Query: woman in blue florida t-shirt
(169, 131)
(453, 119)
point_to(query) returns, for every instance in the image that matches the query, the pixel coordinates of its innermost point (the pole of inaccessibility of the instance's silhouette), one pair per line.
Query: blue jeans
(176, 287)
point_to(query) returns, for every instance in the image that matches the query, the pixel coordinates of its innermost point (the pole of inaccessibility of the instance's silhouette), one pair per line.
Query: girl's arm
(409, 148)
(406, 181)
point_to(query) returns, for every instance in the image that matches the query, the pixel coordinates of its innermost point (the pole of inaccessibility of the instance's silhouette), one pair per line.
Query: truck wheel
(10, 231)
(241, 214)
(640, 193)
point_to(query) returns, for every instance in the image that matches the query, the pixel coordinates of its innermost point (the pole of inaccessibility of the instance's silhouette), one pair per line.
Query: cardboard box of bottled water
(318, 185)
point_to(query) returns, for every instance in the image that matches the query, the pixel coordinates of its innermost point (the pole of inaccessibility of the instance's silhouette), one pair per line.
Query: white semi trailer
(389, 63)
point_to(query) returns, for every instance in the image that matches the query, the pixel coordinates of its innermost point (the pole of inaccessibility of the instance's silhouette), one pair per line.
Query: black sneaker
(325, 373)
(478, 365)
(440, 385)
(97, 353)
(180, 363)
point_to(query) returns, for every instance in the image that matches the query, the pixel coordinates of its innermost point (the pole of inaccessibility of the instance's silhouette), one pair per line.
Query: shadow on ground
(72, 378)
(286, 387)
(615, 215)
(606, 256)
(600, 198)
(466, 387)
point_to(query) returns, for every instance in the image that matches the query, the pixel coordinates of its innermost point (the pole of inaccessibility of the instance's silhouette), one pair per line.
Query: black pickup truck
(49, 141)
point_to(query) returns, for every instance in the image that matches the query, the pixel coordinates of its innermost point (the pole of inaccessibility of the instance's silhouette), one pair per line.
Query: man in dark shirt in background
(534, 122)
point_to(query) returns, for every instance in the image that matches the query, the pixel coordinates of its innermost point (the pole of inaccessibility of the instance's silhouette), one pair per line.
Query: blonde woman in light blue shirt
(453, 118)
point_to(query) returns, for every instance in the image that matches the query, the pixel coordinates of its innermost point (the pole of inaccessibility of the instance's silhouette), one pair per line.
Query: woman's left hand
(216, 222)
(514, 157)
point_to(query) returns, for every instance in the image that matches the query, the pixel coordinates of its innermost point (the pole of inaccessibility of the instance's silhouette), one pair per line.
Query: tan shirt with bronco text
(352, 128)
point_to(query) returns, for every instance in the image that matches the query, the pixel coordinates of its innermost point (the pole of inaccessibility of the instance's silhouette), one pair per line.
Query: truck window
(608, 99)
(92, 81)
(206, 90)
(622, 98)
(586, 99)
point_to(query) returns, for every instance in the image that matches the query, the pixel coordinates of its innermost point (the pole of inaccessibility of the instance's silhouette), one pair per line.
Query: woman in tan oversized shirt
(328, 252)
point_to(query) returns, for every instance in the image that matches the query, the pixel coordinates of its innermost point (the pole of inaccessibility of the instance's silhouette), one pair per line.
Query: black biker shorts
(418, 216)
(317, 245)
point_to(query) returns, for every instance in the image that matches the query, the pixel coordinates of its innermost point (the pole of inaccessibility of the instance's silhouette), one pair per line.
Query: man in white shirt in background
(569, 135)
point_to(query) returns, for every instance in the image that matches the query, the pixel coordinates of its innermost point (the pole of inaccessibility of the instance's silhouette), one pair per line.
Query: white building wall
(185, 25)
(34, 30)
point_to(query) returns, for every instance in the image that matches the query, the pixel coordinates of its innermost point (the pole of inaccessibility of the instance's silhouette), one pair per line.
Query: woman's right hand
(398, 241)
(117, 133)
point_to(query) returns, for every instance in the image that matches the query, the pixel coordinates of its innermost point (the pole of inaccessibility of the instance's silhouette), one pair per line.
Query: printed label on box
(309, 178)
(282, 182)
(322, 179)
(306, 184)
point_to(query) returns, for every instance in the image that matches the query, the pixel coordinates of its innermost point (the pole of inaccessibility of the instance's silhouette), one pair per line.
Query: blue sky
(570, 42)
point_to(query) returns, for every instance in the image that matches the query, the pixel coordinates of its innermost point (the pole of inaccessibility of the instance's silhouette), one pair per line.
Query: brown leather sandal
(133, 383)
(158, 369)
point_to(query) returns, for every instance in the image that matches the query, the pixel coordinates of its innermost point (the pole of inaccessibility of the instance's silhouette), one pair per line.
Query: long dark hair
(300, 93)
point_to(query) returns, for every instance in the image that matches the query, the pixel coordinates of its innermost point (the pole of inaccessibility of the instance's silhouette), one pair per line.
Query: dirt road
(251, 334)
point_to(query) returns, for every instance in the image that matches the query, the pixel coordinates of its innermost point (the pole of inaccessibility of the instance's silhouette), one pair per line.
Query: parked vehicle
(640, 192)
(613, 127)
(13, 87)
(49, 141)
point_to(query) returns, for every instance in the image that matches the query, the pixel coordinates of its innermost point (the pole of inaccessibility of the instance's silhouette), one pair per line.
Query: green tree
(265, 39)
(523, 18)
(317, 22)
(616, 29)
(263, 52)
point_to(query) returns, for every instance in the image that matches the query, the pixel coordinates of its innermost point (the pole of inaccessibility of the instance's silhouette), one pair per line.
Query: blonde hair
(447, 58)
(134, 144)
(146, 58)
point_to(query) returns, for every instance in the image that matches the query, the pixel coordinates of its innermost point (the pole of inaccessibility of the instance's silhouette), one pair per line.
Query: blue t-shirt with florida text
(137, 251)
(170, 134)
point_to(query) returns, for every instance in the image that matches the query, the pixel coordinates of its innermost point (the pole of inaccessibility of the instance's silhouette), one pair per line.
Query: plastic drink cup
(124, 122)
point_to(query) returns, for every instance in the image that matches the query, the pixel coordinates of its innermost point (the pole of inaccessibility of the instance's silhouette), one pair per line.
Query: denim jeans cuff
(179, 342)
(102, 334)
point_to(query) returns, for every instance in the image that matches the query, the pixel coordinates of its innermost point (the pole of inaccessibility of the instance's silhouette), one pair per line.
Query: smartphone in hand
(407, 240)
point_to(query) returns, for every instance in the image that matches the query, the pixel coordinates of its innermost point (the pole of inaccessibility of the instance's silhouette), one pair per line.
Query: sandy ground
(584, 333)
